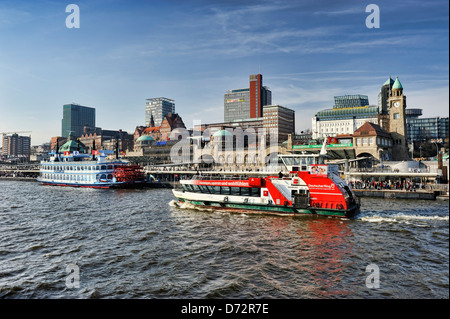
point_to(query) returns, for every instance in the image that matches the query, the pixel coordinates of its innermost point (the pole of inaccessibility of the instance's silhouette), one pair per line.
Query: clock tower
(397, 122)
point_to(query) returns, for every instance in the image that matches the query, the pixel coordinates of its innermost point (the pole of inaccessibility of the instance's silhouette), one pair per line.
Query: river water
(62, 242)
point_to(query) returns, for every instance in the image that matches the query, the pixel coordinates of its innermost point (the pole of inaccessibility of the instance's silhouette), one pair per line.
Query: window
(235, 191)
(245, 191)
(204, 189)
(255, 192)
(396, 116)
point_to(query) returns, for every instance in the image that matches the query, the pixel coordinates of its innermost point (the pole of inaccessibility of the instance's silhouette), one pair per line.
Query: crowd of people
(405, 185)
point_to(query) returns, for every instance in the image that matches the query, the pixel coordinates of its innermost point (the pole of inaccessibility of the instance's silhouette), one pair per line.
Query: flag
(95, 152)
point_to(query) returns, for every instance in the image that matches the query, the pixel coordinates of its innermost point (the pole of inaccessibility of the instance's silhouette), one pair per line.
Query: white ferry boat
(82, 170)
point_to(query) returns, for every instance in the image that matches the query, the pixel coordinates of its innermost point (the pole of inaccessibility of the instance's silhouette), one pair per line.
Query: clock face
(396, 104)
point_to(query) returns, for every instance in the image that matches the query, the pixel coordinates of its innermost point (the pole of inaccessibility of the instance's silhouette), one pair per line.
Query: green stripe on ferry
(280, 209)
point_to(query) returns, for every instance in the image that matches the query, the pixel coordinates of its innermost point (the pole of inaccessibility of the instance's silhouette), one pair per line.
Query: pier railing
(389, 170)
(443, 188)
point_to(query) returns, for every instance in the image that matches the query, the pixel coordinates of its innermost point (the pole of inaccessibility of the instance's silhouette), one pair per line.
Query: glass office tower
(156, 109)
(75, 118)
(350, 101)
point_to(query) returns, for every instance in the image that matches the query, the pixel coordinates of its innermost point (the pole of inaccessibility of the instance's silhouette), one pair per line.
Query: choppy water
(137, 244)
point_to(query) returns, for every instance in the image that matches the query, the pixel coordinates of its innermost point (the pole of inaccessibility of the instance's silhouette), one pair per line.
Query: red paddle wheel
(129, 173)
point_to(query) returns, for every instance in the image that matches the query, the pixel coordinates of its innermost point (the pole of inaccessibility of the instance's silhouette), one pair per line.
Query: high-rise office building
(383, 96)
(247, 103)
(15, 145)
(75, 118)
(279, 118)
(156, 109)
(350, 101)
(425, 129)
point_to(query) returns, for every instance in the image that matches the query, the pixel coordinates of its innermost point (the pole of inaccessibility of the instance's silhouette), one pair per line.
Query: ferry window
(225, 190)
(212, 190)
(97, 168)
(204, 189)
(103, 167)
(196, 188)
(245, 191)
(235, 191)
(110, 167)
(216, 189)
(103, 176)
(110, 176)
(185, 188)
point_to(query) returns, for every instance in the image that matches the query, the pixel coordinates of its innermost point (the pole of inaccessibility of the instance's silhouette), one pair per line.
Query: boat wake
(177, 204)
(402, 218)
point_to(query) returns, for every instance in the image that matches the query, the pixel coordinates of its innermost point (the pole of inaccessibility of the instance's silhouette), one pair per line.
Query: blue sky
(194, 51)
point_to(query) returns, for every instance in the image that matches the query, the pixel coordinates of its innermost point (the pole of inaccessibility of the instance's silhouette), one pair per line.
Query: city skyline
(195, 51)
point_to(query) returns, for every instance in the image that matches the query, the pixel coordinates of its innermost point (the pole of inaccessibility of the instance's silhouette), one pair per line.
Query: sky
(194, 51)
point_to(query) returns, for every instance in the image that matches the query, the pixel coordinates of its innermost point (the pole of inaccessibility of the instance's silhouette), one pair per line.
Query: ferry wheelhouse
(85, 170)
(308, 186)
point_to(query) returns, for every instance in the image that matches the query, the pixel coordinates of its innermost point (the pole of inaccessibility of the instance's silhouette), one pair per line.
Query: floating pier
(397, 194)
